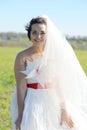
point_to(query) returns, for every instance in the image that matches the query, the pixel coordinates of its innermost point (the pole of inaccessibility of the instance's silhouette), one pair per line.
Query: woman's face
(38, 34)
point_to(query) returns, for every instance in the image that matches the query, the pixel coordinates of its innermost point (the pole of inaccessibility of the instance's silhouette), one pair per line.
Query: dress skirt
(41, 112)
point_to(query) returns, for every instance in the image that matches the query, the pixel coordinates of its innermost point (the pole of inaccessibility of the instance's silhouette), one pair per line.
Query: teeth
(37, 41)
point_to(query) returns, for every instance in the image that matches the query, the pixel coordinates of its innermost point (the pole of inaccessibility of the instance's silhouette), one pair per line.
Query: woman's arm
(20, 82)
(65, 117)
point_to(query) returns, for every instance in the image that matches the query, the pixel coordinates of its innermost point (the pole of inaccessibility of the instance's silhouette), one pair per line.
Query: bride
(51, 85)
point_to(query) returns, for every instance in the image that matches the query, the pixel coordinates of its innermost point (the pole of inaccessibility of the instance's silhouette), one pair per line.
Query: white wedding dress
(41, 111)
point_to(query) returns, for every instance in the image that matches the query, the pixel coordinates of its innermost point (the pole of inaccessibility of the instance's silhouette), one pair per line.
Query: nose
(38, 35)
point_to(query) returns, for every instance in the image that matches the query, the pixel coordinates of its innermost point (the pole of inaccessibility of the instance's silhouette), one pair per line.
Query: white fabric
(42, 110)
(60, 67)
(64, 68)
(38, 111)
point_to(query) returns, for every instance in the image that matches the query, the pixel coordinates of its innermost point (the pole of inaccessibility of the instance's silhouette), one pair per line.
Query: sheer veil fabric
(61, 68)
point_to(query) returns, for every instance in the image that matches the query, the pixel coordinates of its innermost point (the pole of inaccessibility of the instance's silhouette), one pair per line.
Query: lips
(38, 41)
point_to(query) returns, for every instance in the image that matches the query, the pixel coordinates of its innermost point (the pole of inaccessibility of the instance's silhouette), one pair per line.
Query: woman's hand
(66, 118)
(18, 123)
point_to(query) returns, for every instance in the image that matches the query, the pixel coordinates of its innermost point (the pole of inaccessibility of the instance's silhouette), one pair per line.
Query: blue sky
(70, 16)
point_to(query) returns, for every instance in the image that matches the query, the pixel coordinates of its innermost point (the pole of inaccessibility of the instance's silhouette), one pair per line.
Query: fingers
(17, 126)
(18, 123)
(61, 122)
(69, 122)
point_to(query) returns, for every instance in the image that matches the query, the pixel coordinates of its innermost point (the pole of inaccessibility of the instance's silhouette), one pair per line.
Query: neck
(37, 49)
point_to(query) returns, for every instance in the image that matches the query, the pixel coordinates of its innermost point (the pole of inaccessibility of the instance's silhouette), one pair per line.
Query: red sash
(36, 86)
(32, 85)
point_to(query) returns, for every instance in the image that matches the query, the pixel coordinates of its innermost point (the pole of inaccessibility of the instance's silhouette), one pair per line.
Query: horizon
(66, 35)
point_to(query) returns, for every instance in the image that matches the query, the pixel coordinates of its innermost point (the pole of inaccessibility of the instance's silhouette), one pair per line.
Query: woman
(49, 80)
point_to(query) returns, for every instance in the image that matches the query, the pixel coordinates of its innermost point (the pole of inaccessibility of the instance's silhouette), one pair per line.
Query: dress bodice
(32, 70)
(36, 72)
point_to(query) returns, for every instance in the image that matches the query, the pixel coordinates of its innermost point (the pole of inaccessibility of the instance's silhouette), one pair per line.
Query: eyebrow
(36, 31)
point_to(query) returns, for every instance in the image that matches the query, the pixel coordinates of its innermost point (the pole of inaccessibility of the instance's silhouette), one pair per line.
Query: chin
(38, 44)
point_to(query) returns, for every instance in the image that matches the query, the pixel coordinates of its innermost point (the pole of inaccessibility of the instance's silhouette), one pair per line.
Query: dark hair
(37, 20)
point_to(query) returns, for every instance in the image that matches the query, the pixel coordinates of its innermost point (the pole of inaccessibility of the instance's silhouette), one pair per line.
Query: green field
(7, 82)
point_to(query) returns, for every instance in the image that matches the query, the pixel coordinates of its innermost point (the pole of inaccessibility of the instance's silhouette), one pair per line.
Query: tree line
(21, 39)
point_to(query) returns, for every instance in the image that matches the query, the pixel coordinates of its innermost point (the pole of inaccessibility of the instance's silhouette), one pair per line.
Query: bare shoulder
(24, 55)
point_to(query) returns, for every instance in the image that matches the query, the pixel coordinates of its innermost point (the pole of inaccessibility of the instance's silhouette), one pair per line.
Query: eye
(42, 32)
(34, 32)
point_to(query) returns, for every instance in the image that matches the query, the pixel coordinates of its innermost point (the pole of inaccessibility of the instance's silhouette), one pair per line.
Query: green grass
(82, 57)
(7, 82)
(7, 57)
